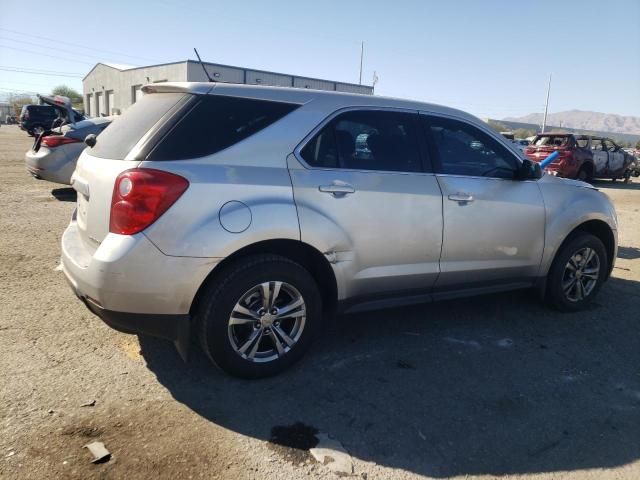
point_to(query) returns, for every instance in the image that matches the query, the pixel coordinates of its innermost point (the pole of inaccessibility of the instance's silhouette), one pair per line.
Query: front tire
(577, 273)
(259, 316)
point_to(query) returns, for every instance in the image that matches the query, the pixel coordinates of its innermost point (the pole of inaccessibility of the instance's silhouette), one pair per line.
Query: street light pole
(361, 57)
(546, 106)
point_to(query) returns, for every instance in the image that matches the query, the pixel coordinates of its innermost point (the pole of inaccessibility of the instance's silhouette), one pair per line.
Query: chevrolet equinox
(243, 216)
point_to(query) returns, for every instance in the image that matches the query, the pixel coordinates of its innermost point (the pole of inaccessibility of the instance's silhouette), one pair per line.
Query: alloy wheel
(267, 321)
(581, 274)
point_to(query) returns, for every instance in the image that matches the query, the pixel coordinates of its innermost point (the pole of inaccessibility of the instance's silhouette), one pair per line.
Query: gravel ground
(475, 388)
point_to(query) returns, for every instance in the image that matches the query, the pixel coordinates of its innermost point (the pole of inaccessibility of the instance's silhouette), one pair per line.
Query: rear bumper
(131, 285)
(170, 327)
(54, 166)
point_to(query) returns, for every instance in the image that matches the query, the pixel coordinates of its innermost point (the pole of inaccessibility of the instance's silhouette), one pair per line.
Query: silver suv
(244, 215)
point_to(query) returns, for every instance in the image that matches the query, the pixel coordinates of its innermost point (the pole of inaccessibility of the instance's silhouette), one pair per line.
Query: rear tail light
(53, 141)
(141, 196)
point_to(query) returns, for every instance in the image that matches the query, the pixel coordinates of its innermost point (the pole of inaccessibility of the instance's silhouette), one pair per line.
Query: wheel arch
(300, 252)
(599, 229)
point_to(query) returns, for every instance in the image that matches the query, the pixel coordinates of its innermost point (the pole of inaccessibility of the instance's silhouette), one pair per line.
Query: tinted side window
(215, 123)
(367, 140)
(463, 149)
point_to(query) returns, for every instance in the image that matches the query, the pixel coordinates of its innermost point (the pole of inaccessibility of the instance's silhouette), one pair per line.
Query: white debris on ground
(99, 452)
(332, 454)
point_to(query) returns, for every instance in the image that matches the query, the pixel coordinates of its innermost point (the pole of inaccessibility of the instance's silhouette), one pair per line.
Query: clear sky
(491, 58)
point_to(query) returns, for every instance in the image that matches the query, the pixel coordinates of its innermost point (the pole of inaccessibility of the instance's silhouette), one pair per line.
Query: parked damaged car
(244, 216)
(55, 151)
(583, 157)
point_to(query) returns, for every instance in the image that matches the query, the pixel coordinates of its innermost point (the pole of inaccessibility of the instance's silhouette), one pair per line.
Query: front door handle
(461, 198)
(337, 190)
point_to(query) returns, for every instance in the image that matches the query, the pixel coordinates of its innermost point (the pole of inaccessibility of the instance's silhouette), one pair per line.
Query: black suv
(35, 119)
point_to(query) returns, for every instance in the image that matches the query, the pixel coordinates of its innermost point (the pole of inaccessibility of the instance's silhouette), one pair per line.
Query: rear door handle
(461, 197)
(337, 190)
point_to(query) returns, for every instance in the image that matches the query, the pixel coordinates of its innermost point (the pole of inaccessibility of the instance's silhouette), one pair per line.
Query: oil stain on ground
(293, 442)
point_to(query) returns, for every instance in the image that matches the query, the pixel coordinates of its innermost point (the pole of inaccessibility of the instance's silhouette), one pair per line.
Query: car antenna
(202, 65)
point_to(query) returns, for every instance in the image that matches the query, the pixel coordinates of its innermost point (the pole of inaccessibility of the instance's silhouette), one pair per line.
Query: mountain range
(583, 120)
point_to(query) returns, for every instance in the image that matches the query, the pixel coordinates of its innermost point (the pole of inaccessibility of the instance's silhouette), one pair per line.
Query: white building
(109, 88)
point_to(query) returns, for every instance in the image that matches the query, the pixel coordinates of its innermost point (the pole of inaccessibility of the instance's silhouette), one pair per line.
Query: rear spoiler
(197, 88)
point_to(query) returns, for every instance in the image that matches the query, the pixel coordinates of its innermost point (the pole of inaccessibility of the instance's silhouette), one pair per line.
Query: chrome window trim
(330, 117)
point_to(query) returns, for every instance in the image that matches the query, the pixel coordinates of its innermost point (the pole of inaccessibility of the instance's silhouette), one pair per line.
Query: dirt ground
(476, 388)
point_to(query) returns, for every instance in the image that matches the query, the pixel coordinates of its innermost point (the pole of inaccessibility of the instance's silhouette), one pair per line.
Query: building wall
(110, 90)
(217, 72)
(103, 80)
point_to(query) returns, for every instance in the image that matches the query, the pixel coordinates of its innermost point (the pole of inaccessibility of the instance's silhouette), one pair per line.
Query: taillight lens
(141, 196)
(53, 141)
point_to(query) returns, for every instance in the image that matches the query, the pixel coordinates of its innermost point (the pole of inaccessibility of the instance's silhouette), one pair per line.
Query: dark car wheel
(577, 272)
(259, 316)
(584, 174)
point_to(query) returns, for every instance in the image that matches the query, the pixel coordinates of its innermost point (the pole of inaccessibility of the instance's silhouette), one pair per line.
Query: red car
(583, 157)
(573, 160)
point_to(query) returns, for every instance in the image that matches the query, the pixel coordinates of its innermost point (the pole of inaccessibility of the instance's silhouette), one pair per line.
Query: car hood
(566, 181)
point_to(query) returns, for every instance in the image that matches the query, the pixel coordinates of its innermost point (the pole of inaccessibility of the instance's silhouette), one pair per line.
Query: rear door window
(609, 145)
(596, 144)
(217, 122)
(127, 129)
(367, 140)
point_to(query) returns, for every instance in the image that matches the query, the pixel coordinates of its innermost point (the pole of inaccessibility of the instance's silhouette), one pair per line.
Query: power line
(39, 72)
(93, 49)
(18, 91)
(45, 54)
(45, 46)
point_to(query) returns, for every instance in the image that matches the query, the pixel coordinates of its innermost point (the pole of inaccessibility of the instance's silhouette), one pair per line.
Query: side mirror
(529, 170)
(90, 140)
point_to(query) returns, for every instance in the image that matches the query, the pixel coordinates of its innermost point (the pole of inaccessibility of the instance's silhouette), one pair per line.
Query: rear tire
(577, 273)
(259, 316)
(585, 174)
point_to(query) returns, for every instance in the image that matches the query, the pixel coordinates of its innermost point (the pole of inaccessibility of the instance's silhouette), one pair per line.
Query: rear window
(551, 140)
(216, 123)
(127, 129)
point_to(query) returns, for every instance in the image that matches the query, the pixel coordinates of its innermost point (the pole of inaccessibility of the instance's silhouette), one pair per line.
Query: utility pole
(546, 106)
(361, 57)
